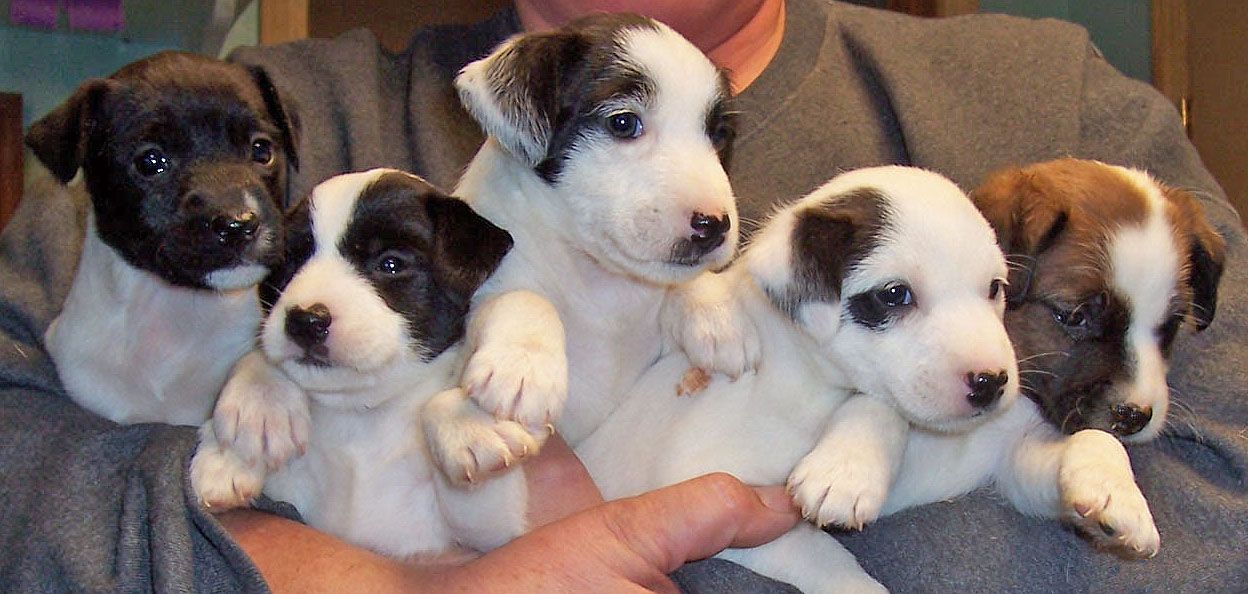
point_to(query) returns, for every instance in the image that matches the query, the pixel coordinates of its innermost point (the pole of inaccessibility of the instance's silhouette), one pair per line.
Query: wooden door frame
(10, 155)
(1169, 54)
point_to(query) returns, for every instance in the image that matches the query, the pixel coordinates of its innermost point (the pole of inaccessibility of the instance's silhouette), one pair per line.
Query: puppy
(604, 159)
(363, 342)
(1106, 263)
(184, 160)
(880, 292)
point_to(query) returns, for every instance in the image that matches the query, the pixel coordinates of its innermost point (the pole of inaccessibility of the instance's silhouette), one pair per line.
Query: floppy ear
(825, 241)
(466, 247)
(283, 112)
(59, 139)
(513, 93)
(1206, 258)
(1026, 220)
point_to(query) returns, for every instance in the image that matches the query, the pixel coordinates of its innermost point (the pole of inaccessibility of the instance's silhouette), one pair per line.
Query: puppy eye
(1072, 319)
(624, 125)
(392, 263)
(262, 151)
(895, 295)
(722, 133)
(994, 289)
(151, 162)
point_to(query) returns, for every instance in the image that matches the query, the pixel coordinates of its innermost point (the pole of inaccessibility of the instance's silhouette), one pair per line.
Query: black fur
(203, 116)
(828, 241)
(560, 81)
(444, 251)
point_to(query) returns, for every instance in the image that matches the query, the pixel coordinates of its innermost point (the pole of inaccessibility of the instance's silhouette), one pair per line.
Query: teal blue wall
(1120, 28)
(46, 66)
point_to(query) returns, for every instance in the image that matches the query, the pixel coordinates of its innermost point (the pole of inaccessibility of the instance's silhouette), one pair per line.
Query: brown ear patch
(1031, 208)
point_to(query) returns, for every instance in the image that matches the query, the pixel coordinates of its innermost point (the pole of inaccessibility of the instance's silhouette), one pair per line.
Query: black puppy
(184, 159)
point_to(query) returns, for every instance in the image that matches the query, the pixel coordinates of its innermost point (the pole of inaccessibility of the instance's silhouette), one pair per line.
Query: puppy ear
(283, 112)
(1206, 257)
(1026, 220)
(59, 139)
(826, 241)
(513, 93)
(466, 247)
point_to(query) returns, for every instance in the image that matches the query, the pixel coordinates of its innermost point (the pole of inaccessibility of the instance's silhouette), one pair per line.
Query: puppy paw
(833, 487)
(707, 323)
(261, 415)
(526, 382)
(470, 447)
(221, 480)
(1100, 497)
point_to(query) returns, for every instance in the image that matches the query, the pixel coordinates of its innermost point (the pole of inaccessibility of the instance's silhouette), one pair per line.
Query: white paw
(261, 414)
(833, 487)
(1100, 497)
(221, 480)
(713, 331)
(526, 382)
(470, 446)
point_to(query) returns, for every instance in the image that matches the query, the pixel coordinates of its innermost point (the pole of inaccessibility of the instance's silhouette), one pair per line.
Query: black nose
(986, 387)
(1130, 419)
(308, 327)
(708, 231)
(235, 229)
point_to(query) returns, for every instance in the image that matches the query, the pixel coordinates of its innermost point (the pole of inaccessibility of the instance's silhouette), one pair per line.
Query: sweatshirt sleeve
(87, 505)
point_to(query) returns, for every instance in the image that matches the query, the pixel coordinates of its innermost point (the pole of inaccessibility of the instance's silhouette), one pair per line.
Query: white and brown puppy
(1108, 263)
(359, 347)
(880, 292)
(184, 160)
(1105, 265)
(604, 160)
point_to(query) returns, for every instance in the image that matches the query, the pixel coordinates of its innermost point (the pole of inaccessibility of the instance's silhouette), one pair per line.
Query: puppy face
(1106, 264)
(185, 160)
(628, 123)
(900, 280)
(379, 272)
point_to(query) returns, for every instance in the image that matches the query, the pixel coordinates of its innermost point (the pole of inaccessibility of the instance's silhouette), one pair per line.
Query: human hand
(626, 545)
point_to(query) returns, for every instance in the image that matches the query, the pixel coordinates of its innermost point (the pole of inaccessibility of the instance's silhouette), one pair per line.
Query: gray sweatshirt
(86, 505)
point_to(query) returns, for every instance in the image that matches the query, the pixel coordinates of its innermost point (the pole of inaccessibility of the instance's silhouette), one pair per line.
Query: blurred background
(1194, 51)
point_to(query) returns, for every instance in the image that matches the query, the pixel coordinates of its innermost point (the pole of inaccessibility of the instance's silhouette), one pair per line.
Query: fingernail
(776, 498)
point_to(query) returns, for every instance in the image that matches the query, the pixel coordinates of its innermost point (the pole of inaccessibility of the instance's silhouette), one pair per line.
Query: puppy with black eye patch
(604, 159)
(184, 161)
(359, 352)
(878, 301)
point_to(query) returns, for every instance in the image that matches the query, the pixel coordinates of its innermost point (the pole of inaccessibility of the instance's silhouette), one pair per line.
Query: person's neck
(740, 36)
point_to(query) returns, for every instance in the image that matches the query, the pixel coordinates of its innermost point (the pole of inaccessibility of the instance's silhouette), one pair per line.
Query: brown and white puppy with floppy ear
(1107, 263)
(184, 159)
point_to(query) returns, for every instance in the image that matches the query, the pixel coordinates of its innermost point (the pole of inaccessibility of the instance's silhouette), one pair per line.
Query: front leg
(846, 478)
(517, 365)
(261, 415)
(220, 478)
(1086, 480)
(469, 446)
(704, 319)
(1100, 497)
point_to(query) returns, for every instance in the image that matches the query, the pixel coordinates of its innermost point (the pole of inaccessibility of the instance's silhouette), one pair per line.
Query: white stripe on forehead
(333, 203)
(1144, 259)
(681, 73)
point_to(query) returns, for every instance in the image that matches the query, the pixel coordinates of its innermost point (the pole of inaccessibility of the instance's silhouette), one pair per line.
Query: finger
(558, 483)
(696, 519)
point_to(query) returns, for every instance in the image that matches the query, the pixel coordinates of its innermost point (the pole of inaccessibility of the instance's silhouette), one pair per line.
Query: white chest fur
(130, 347)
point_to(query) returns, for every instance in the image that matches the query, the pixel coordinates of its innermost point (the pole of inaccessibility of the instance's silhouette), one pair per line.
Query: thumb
(696, 519)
